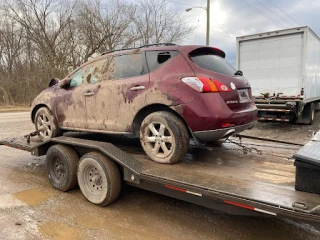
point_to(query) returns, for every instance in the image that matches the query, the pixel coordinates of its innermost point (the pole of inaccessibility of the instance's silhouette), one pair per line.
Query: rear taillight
(221, 86)
(203, 84)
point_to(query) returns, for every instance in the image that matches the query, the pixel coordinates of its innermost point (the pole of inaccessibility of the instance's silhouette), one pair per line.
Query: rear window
(212, 62)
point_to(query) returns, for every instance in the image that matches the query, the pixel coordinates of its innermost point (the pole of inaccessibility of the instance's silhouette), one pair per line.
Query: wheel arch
(35, 109)
(140, 116)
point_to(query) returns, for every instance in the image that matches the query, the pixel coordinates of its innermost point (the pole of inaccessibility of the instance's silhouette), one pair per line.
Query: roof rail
(144, 46)
(115, 50)
(158, 44)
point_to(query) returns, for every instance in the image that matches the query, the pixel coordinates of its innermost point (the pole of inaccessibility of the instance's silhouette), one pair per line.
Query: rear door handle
(88, 94)
(136, 88)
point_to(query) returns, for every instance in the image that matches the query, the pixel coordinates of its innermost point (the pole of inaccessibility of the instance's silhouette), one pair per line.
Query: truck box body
(283, 64)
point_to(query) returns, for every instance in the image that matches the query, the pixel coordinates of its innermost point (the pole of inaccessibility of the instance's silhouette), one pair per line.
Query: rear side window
(127, 66)
(212, 62)
(156, 58)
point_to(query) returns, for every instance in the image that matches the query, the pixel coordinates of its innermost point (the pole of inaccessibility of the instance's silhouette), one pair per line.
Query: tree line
(42, 39)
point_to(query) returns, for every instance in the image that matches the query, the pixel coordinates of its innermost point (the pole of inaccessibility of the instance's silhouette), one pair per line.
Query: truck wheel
(99, 179)
(45, 120)
(61, 163)
(308, 114)
(164, 137)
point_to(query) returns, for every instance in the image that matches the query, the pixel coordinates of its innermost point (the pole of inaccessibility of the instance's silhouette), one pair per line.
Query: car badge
(233, 86)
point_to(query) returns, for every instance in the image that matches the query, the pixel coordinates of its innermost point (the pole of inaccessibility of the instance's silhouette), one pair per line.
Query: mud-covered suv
(163, 94)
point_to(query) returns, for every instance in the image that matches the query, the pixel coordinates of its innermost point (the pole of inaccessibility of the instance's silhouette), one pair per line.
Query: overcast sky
(232, 18)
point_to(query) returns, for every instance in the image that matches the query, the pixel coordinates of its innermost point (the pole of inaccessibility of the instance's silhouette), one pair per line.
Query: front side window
(93, 72)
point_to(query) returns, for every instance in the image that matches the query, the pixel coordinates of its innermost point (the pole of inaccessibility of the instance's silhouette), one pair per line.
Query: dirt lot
(31, 209)
(285, 131)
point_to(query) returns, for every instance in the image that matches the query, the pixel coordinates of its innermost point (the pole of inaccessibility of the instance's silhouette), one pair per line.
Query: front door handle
(136, 88)
(88, 94)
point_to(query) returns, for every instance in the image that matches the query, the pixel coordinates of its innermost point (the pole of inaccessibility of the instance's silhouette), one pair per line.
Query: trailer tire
(61, 163)
(45, 119)
(167, 151)
(99, 178)
(308, 114)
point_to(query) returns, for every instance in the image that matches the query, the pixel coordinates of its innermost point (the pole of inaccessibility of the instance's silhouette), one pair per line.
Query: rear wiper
(239, 73)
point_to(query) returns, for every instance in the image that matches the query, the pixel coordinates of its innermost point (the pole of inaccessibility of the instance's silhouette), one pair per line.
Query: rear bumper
(212, 135)
(209, 112)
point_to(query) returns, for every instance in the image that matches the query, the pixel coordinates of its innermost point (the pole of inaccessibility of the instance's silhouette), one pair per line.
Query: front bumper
(212, 135)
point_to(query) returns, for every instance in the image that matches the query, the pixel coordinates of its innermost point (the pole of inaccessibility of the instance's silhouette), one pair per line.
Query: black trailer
(220, 177)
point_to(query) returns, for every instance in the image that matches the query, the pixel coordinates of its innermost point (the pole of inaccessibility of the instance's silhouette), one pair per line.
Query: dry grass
(14, 108)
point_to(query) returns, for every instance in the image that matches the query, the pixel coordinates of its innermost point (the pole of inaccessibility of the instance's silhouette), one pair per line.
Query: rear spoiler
(206, 50)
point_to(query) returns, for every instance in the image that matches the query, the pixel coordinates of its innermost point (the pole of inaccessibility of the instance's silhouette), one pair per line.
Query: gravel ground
(31, 209)
(285, 131)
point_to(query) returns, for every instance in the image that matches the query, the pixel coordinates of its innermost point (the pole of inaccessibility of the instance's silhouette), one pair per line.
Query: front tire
(46, 121)
(164, 137)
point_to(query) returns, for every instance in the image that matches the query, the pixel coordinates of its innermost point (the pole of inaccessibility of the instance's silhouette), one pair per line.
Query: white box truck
(283, 68)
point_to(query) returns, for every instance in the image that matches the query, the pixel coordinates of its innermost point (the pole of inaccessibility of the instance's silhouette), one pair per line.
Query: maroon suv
(163, 94)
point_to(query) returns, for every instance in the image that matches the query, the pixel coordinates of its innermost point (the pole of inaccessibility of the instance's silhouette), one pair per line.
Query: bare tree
(104, 26)
(41, 39)
(156, 22)
(44, 22)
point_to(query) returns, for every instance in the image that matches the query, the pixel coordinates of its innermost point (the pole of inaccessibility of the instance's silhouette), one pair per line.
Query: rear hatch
(210, 63)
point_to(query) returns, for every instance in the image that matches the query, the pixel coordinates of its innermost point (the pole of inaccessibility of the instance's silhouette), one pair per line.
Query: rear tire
(308, 114)
(61, 163)
(99, 178)
(164, 137)
(45, 120)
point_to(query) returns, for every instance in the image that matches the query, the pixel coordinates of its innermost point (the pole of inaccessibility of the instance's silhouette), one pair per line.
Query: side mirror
(54, 81)
(65, 83)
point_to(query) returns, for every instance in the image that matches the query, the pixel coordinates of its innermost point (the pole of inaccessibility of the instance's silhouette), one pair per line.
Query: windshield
(213, 63)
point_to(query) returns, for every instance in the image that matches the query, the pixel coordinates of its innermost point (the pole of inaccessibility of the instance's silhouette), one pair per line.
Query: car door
(70, 102)
(120, 93)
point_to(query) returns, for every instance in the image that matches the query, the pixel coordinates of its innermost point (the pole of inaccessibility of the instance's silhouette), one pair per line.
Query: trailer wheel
(164, 137)
(45, 120)
(99, 178)
(61, 163)
(308, 114)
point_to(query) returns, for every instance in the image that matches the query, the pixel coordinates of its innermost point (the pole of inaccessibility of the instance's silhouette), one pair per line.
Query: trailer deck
(219, 177)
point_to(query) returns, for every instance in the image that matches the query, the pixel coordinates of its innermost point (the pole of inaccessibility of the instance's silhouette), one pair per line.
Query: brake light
(222, 87)
(203, 84)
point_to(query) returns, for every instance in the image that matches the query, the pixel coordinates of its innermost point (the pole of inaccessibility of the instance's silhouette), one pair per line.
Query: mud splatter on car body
(114, 92)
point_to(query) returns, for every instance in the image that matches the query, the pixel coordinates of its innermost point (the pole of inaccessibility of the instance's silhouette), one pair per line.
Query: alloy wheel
(43, 123)
(159, 140)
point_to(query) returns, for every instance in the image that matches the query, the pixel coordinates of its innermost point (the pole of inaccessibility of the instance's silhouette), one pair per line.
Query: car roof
(184, 49)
